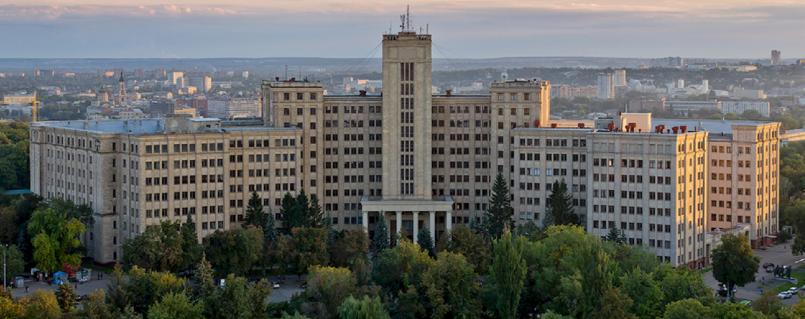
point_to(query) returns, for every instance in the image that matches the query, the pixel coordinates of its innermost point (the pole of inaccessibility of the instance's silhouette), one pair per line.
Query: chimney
(553, 125)
(684, 128)
(362, 93)
(448, 92)
(581, 125)
(675, 129)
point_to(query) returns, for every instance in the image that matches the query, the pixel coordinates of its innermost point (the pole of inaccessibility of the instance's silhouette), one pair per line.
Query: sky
(353, 28)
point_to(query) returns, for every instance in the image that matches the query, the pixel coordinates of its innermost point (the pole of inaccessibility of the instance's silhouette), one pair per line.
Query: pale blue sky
(342, 28)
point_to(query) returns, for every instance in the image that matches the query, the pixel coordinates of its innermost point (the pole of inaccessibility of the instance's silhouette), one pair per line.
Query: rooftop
(150, 126)
(712, 126)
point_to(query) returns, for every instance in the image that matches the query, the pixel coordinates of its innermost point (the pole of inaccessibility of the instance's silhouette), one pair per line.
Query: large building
(606, 86)
(407, 158)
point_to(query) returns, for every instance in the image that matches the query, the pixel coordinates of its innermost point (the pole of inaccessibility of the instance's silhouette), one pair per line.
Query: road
(778, 255)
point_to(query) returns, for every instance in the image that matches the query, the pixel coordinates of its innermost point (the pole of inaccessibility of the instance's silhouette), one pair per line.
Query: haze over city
(463, 29)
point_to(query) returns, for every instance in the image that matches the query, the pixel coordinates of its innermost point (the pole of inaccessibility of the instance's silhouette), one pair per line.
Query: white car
(793, 290)
(784, 295)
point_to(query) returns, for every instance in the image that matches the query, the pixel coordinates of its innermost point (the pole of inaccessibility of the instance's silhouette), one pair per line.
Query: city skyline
(199, 29)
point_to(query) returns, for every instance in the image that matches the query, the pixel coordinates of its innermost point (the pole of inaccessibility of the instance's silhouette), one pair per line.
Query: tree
(499, 215)
(144, 288)
(300, 211)
(305, 247)
(41, 304)
(175, 306)
(452, 287)
(315, 216)
(679, 284)
(380, 241)
(365, 308)
(234, 251)
(616, 235)
(255, 216)
(168, 246)
(348, 248)
(55, 239)
(768, 303)
(203, 277)
(734, 310)
(685, 309)
(399, 266)
(645, 292)
(292, 217)
(95, 306)
(475, 247)
(238, 299)
(330, 286)
(733, 262)
(65, 296)
(10, 309)
(14, 260)
(507, 274)
(191, 249)
(615, 304)
(560, 206)
(425, 241)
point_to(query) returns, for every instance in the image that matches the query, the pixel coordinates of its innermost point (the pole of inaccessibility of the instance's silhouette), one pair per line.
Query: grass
(799, 274)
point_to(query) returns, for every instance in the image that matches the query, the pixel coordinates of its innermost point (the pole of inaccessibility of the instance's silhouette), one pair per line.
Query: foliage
(301, 211)
(398, 267)
(14, 262)
(615, 304)
(159, 248)
(685, 309)
(365, 308)
(330, 286)
(645, 292)
(175, 306)
(560, 206)
(348, 248)
(452, 287)
(305, 247)
(234, 251)
(191, 248)
(499, 215)
(55, 238)
(380, 240)
(507, 274)
(616, 235)
(65, 295)
(10, 309)
(95, 306)
(238, 299)
(472, 245)
(425, 241)
(255, 216)
(14, 168)
(768, 303)
(41, 304)
(143, 288)
(733, 261)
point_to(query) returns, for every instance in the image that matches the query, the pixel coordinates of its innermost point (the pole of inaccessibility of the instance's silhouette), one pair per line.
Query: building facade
(407, 158)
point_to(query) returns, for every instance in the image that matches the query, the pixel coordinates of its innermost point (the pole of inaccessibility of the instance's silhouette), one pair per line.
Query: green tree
(191, 248)
(615, 304)
(425, 241)
(144, 288)
(255, 216)
(452, 287)
(95, 306)
(330, 286)
(731, 310)
(65, 296)
(733, 261)
(380, 240)
(41, 304)
(475, 247)
(768, 303)
(365, 308)
(507, 274)
(348, 249)
(203, 277)
(560, 206)
(238, 299)
(10, 309)
(645, 292)
(499, 215)
(679, 284)
(315, 216)
(301, 209)
(234, 251)
(175, 306)
(55, 239)
(306, 247)
(685, 309)
(616, 235)
(161, 247)
(14, 261)
(398, 267)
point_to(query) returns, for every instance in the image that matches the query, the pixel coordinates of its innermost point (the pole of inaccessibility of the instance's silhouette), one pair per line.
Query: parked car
(275, 285)
(793, 290)
(802, 288)
(784, 295)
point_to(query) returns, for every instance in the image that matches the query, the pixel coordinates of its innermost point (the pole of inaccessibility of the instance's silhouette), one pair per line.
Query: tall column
(448, 222)
(365, 221)
(399, 223)
(432, 225)
(415, 235)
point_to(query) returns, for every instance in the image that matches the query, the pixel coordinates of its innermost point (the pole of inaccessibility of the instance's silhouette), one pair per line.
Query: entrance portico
(410, 210)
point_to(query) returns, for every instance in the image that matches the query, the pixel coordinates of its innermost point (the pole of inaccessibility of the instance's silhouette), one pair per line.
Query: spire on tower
(121, 77)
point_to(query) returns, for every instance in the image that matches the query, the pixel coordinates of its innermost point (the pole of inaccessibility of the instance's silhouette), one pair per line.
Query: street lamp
(5, 249)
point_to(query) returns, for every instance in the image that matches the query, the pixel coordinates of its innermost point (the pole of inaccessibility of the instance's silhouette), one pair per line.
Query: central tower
(407, 115)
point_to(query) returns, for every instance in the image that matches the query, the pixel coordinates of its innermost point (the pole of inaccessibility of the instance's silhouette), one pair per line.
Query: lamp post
(5, 250)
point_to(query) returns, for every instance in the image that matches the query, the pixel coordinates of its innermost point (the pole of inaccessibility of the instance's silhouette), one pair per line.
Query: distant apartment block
(739, 107)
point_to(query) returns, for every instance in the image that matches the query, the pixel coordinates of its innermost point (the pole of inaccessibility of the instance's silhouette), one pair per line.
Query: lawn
(799, 274)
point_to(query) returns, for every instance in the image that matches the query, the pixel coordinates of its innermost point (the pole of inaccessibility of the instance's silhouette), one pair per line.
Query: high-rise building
(620, 77)
(207, 83)
(176, 78)
(407, 158)
(775, 57)
(606, 86)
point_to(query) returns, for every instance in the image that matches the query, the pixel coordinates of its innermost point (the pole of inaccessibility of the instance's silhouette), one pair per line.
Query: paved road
(84, 288)
(778, 255)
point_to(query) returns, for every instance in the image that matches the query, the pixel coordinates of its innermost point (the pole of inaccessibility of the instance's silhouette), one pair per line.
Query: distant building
(739, 107)
(675, 62)
(570, 92)
(620, 77)
(197, 103)
(741, 93)
(775, 57)
(233, 108)
(686, 107)
(646, 105)
(606, 86)
(19, 99)
(121, 90)
(176, 78)
(207, 85)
